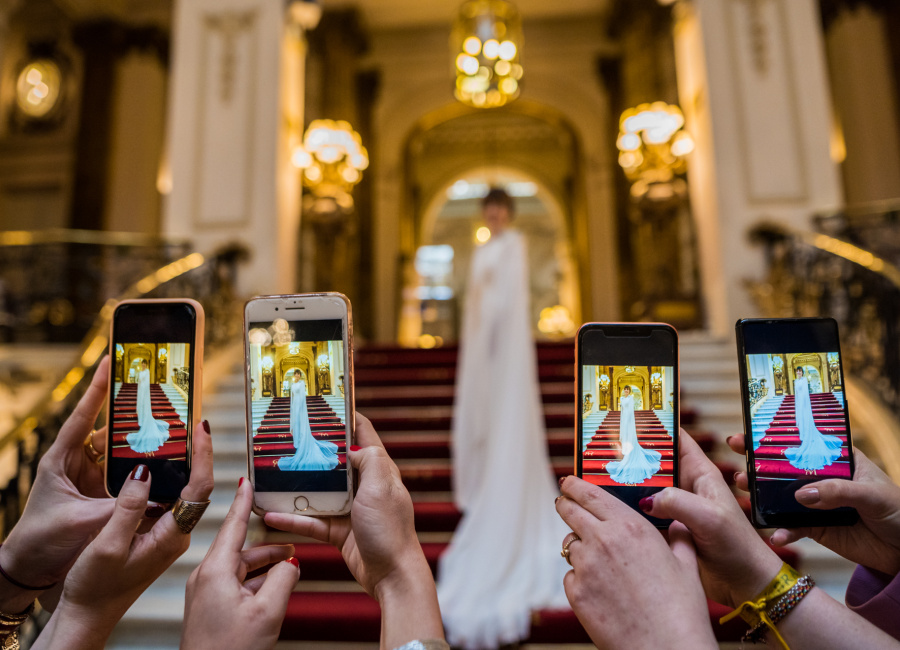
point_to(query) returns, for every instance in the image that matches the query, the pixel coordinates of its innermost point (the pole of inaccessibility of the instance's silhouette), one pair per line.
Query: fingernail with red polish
(293, 561)
(646, 504)
(562, 479)
(206, 426)
(140, 473)
(355, 447)
(240, 482)
(155, 511)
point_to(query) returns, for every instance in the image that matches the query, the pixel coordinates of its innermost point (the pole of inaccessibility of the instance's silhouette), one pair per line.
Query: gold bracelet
(9, 627)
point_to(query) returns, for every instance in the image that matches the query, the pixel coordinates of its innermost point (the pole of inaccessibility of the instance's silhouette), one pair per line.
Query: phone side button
(301, 504)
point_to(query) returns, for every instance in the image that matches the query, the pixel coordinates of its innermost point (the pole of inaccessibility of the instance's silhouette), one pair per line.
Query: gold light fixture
(332, 159)
(486, 43)
(38, 88)
(653, 148)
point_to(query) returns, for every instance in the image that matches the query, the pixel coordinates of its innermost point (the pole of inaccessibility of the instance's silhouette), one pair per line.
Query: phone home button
(301, 503)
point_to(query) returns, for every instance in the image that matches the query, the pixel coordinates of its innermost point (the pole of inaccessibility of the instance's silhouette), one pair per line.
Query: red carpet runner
(125, 421)
(783, 434)
(273, 438)
(408, 394)
(605, 447)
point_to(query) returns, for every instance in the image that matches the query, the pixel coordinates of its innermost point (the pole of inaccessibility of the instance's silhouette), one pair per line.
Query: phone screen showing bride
(628, 415)
(151, 406)
(795, 411)
(297, 395)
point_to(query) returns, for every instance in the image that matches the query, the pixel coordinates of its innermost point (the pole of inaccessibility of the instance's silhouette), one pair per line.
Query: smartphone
(626, 435)
(156, 354)
(300, 409)
(796, 423)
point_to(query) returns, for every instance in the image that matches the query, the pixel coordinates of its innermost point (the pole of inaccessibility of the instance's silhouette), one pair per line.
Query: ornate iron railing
(814, 274)
(210, 280)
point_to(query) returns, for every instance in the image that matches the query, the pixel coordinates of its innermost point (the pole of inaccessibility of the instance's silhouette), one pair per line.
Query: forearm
(819, 622)
(75, 630)
(409, 608)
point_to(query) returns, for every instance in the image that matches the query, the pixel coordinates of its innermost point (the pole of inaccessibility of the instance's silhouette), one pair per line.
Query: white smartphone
(300, 412)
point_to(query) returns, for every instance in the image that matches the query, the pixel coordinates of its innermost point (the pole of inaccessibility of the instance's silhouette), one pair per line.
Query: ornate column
(236, 101)
(752, 83)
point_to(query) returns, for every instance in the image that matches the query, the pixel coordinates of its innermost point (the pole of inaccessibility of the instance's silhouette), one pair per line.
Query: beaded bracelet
(781, 608)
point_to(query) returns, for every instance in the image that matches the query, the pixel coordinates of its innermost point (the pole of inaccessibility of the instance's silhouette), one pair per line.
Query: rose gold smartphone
(300, 409)
(156, 363)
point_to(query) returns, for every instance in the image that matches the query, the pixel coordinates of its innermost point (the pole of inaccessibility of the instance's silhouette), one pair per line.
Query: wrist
(756, 577)
(15, 597)
(409, 605)
(404, 580)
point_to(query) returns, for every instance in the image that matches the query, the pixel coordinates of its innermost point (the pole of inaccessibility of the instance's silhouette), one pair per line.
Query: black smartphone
(626, 435)
(156, 354)
(796, 423)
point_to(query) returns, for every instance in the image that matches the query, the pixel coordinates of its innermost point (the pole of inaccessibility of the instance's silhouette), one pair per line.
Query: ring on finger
(91, 451)
(565, 549)
(188, 513)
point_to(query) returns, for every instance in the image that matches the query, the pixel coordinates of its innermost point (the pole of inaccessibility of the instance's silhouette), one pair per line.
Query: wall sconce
(267, 363)
(486, 43)
(332, 159)
(652, 150)
(38, 88)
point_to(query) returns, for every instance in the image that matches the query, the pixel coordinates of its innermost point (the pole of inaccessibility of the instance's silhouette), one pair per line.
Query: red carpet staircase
(408, 395)
(273, 440)
(783, 434)
(125, 421)
(605, 447)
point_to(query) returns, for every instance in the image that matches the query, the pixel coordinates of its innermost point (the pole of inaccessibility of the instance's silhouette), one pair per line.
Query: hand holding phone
(300, 415)
(156, 351)
(627, 415)
(796, 423)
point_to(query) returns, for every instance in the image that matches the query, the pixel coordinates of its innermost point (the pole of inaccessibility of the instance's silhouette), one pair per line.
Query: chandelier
(652, 150)
(486, 43)
(332, 159)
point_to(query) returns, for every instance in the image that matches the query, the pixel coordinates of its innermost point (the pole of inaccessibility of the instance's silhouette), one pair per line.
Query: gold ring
(188, 513)
(565, 549)
(89, 449)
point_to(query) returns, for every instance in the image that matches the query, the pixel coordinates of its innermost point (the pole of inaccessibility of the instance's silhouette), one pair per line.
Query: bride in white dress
(311, 454)
(638, 464)
(152, 433)
(503, 561)
(816, 450)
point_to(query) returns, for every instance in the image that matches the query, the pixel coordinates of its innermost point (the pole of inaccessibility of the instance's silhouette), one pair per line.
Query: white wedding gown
(311, 454)
(152, 433)
(816, 450)
(638, 463)
(503, 561)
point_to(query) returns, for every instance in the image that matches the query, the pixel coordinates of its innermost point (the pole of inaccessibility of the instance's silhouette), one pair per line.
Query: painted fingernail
(646, 504)
(206, 426)
(155, 511)
(294, 561)
(562, 479)
(140, 473)
(240, 482)
(808, 496)
(355, 447)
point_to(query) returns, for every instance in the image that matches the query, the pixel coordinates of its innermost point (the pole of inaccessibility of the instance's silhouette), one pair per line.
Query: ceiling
(384, 14)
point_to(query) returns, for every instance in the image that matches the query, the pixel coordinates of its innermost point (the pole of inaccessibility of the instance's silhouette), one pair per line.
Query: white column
(752, 82)
(235, 107)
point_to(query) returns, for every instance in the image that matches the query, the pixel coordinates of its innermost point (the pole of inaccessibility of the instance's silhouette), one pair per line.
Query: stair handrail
(221, 266)
(78, 236)
(815, 274)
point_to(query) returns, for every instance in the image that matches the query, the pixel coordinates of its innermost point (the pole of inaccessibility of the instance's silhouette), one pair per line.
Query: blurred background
(685, 161)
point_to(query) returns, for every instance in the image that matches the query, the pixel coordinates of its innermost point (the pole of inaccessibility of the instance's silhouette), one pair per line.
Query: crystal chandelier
(486, 43)
(652, 150)
(332, 159)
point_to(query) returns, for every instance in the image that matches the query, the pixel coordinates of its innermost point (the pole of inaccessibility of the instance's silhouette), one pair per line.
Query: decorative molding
(229, 25)
(758, 35)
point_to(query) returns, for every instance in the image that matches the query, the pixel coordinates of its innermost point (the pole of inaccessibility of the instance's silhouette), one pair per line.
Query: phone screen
(627, 421)
(299, 404)
(795, 411)
(151, 395)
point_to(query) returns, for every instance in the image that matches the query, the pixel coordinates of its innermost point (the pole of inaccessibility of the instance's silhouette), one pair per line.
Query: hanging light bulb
(486, 44)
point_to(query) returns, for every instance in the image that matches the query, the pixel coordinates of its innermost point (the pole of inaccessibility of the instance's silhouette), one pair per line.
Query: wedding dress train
(816, 450)
(153, 433)
(503, 561)
(311, 454)
(638, 464)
